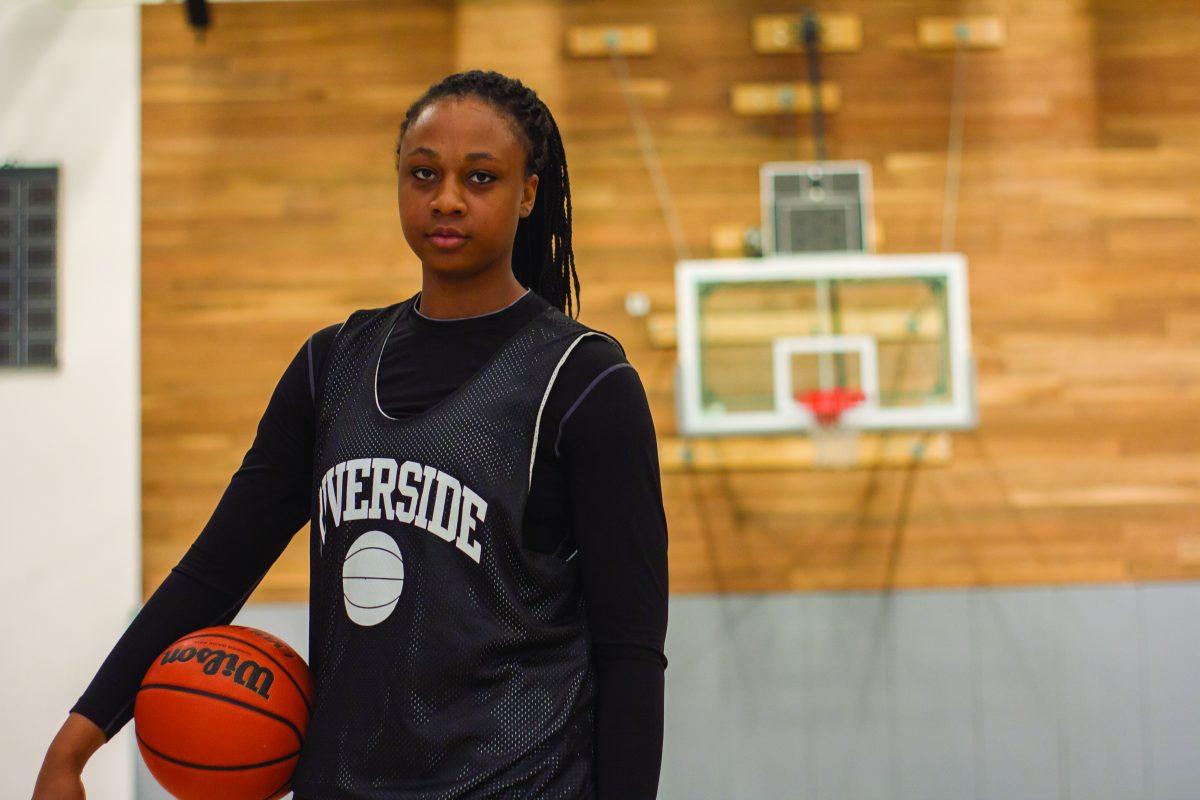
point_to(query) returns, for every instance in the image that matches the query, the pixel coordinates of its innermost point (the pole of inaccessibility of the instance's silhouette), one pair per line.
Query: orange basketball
(222, 712)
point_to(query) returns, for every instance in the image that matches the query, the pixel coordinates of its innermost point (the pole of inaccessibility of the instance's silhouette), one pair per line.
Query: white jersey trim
(537, 426)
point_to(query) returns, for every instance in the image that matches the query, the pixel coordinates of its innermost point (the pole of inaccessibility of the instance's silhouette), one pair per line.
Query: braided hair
(542, 257)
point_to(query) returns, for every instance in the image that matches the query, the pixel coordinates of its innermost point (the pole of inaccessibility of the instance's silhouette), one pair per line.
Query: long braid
(542, 257)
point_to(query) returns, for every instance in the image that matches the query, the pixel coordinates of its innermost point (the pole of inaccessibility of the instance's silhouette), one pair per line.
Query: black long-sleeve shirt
(596, 475)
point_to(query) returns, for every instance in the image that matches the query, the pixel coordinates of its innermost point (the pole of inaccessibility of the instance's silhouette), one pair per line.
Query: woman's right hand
(61, 776)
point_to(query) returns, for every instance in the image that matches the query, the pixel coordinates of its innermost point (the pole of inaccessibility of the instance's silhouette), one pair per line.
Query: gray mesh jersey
(450, 662)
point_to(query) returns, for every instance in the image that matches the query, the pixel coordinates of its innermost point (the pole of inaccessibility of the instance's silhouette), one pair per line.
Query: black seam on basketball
(372, 547)
(213, 695)
(183, 763)
(286, 671)
(381, 605)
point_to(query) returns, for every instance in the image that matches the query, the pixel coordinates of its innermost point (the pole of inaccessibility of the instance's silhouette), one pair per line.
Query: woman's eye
(490, 178)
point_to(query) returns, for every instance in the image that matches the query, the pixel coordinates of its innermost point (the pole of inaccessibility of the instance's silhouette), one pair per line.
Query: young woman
(503, 453)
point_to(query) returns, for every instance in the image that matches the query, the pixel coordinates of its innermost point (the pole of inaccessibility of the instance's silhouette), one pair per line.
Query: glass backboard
(755, 334)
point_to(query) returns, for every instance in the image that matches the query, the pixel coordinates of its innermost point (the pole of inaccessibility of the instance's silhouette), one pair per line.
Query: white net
(835, 446)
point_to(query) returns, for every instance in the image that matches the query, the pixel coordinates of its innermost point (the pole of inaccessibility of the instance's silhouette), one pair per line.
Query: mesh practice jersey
(449, 661)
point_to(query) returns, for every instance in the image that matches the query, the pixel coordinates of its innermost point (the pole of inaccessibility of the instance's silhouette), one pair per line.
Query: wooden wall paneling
(269, 212)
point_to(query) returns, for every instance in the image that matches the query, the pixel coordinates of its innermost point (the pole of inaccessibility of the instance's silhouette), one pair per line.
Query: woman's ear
(529, 196)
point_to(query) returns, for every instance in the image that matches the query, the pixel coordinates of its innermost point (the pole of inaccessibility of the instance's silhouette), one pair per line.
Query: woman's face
(461, 166)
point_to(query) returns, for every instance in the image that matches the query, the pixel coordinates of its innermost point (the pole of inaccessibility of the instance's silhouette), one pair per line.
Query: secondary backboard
(753, 334)
(815, 207)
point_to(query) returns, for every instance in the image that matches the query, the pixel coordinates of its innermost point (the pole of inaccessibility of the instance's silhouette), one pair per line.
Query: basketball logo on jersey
(372, 578)
(367, 488)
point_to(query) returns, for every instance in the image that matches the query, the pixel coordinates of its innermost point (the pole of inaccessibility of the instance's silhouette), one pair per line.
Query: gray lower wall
(1079, 693)
(1070, 693)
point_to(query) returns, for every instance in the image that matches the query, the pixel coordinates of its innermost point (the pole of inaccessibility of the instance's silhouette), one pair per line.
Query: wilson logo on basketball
(247, 673)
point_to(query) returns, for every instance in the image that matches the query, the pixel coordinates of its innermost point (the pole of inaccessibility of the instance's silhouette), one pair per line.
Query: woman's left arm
(610, 450)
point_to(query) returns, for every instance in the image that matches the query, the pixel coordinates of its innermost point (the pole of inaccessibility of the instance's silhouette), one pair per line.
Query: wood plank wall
(269, 212)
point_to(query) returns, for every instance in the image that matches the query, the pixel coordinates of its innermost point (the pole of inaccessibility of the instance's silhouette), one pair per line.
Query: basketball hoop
(834, 444)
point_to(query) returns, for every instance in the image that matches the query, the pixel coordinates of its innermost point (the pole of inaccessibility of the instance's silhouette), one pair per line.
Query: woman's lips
(447, 242)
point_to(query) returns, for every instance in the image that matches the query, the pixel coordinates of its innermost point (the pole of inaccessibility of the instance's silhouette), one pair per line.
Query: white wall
(69, 438)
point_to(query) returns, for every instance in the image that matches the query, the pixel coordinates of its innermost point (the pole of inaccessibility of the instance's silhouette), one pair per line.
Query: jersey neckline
(381, 344)
(439, 323)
